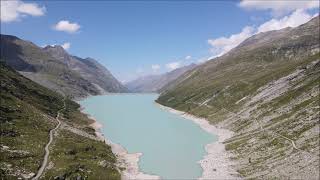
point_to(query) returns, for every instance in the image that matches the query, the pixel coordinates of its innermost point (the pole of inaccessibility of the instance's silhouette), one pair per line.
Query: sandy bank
(216, 164)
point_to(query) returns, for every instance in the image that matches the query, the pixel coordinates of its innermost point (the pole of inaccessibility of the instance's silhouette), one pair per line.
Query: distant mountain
(154, 83)
(266, 90)
(54, 68)
(89, 69)
(28, 111)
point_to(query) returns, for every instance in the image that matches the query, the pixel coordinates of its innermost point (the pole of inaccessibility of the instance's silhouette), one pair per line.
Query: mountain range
(155, 83)
(55, 69)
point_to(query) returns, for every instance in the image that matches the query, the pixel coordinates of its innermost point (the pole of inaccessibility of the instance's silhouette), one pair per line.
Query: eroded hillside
(266, 90)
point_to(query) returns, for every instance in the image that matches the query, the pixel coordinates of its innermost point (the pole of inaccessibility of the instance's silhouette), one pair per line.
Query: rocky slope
(266, 90)
(154, 83)
(89, 69)
(55, 69)
(27, 114)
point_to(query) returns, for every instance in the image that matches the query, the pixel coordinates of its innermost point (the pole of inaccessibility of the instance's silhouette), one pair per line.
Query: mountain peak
(11, 37)
(57, 51)
(54, 47)
(90, 59)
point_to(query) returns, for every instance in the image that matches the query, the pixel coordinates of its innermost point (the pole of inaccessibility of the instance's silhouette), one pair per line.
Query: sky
(137, 38)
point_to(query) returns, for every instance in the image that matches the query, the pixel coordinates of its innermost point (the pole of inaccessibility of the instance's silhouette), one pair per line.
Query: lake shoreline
(124, 159)
(216, 163)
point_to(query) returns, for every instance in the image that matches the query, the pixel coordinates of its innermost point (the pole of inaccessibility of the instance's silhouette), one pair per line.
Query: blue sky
(135, 38)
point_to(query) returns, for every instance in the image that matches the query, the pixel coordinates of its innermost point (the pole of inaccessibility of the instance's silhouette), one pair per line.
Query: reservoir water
(171, 145)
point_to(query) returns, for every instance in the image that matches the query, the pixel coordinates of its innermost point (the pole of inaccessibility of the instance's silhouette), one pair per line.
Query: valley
(247, 108)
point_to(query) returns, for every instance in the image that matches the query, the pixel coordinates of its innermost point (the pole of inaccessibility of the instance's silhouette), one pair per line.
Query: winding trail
(272, 132)
(263, 129)
(47, 152)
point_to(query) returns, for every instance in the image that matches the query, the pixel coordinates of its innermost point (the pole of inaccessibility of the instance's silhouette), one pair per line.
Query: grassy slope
(27, 114)
(242, 71)
(75, 155)
(221, 90)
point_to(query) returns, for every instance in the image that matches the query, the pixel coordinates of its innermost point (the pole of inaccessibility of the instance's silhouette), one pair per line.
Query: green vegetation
(27, 114)
(72, 112)
(24, 123)
(74, 156)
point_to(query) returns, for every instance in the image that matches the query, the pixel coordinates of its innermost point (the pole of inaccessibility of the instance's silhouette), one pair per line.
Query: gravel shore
(216, 164)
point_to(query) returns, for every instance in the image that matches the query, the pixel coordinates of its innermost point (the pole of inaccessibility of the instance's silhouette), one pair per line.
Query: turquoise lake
(171, 145)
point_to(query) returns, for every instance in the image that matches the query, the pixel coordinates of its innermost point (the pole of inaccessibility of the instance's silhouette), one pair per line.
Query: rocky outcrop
(89, 69)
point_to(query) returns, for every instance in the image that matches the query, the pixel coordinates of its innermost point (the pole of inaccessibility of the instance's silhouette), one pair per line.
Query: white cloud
(188, 57)
(31, 9)
(67, 26)
(173, 65)
(15, 10)
(222, 45)
(155, 67)
(279, 7)
(66, 45)
(297, 18)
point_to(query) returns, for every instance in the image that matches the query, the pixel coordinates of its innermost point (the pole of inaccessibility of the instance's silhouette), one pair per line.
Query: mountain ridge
(266, 91)
(54, 68)
(155, 83)
(89, 68)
